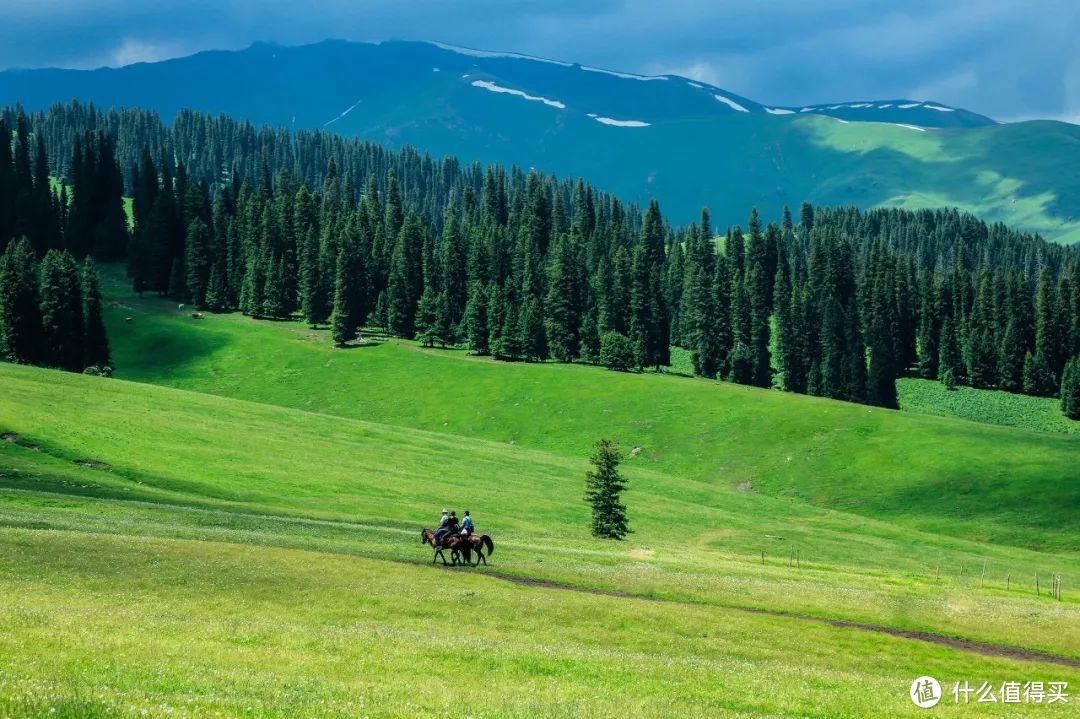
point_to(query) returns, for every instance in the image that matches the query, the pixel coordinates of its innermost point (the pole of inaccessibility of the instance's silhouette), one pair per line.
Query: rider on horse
(444, 527)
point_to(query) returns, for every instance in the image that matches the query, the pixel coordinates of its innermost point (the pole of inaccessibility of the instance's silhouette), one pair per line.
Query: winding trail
(968, 645)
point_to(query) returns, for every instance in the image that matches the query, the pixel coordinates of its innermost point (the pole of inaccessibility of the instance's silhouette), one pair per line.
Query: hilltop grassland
(963, 479)
(188, 554)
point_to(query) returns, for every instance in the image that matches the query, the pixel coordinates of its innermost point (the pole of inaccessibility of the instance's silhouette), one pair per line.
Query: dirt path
(968, 645)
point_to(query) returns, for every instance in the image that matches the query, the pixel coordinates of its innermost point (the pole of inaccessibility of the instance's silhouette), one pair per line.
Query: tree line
(525, 266)
(50, 306)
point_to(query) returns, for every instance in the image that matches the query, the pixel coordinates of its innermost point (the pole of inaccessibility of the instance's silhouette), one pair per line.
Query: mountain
(685, 142)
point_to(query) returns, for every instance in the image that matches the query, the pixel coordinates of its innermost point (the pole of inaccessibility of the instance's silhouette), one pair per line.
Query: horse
(450, 541)
(477, 543)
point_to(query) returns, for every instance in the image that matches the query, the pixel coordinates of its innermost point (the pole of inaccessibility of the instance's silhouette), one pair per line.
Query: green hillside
(960, 478)
(687, 144)
(280, 548)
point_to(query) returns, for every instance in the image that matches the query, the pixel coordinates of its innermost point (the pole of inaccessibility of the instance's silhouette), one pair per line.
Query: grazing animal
(452, 542)
(129, 320)
(181, 308)
(197, 316)
(477, 543)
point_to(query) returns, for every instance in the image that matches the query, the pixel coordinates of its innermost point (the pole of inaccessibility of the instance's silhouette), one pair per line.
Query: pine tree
(590, 337)
(343, 323)
(476, 319)
(445, 330)
(198, 261)
(507, 343)
(426, 329)
(1039, 380)
(1049, 339)
(1070, 388)
(565, 299)
(62, 324)
(929, 332)
(533, 338)
(603, 489)
(949, 359)
(20, 312)
(1011, 358)
(405, 283)
(96, 353)
(759, 324)
(617, 352)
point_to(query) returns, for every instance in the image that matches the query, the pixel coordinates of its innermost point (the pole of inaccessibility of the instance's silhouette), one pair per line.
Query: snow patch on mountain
(910, 127)
(618, 123)
(939, 108)
(909, 105)
(623, 75)
(487, 85)
(731, 103)
(779, 111)
(343, 114)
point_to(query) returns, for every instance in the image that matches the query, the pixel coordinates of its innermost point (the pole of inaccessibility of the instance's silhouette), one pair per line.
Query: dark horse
(452, 542)
(476, 543)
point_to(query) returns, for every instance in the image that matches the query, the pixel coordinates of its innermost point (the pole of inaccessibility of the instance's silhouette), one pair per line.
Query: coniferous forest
(834, 302)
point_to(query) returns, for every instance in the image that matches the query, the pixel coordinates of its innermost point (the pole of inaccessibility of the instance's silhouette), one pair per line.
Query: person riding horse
(444, 527)
(448, 525)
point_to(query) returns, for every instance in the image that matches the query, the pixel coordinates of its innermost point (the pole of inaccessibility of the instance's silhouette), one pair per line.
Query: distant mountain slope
(685, 142)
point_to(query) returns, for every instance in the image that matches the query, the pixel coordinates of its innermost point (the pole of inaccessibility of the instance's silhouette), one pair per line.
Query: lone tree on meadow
(1070, 389)
(603, 486)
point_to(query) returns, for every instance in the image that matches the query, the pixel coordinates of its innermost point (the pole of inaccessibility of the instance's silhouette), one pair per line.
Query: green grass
(245, 541)
(980, 405)
(972, 481)
(307, 585)
(135, 627)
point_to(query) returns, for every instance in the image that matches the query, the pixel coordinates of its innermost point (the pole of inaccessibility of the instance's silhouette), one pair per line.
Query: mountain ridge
(686, 142)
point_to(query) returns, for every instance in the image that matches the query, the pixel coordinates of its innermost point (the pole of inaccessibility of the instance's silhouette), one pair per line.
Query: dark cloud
(1007, 58)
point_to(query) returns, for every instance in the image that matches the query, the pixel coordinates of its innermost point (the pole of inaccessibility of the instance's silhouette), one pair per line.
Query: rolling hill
(244, 540)
(684, 142)
(260, 561)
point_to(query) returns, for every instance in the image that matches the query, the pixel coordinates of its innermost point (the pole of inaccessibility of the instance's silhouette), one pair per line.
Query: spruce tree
(476, 319)
(949, 359)
(590, 337)
(96, 353)
(62, 323)
(1038, 378)
(1070, 388)
(198, 261)
(445, 329)
(426, 329)
(603, 489)
(565, 298)
(343, 324)
(617, 352)
(1011, 358)
(533, 338)
(507, 344)
(20, 311)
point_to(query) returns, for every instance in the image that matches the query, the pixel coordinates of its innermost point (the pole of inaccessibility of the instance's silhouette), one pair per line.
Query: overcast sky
(1011, 59)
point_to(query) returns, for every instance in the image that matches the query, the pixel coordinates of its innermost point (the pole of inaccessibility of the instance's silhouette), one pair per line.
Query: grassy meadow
(235, 533)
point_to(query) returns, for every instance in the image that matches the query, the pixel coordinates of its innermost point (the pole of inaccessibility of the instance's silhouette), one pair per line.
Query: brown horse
(452, 542)
(477, 543)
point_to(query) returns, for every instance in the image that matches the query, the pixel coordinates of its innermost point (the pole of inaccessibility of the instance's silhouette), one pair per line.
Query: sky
(1010, 59)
